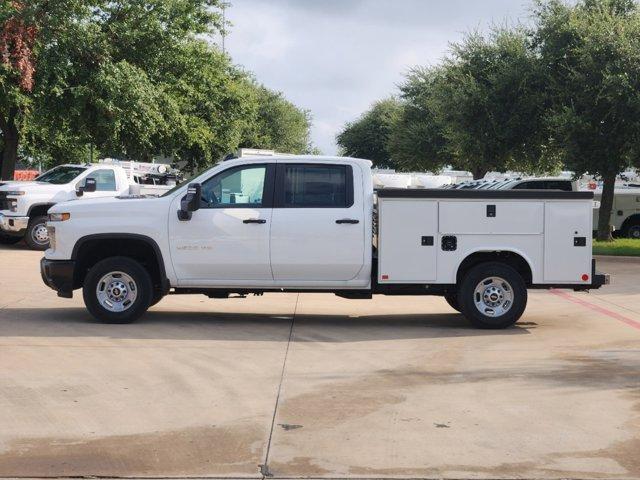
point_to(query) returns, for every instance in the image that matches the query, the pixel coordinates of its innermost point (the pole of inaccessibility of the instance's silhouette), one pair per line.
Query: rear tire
(117, 290)
(37, 236)
(492, 295)
(9, 239)
(633, 231)
(452, 300)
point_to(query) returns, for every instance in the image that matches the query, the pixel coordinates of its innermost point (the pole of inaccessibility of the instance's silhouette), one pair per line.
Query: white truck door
(107, 183)
(318, 227)
(226, 242)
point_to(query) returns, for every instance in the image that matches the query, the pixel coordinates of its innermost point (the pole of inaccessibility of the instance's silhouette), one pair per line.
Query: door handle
(254, 220)
(347, 220)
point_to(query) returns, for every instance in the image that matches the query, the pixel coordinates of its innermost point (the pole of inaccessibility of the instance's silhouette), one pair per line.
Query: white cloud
(336, 57)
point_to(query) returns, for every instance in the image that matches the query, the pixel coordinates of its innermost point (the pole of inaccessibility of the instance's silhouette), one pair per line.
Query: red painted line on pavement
(597, 308)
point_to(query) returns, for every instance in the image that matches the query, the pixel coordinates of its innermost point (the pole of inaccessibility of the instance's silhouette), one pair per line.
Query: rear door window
(314, 186)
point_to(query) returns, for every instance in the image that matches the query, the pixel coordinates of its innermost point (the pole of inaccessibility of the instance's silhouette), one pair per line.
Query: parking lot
(312, 385)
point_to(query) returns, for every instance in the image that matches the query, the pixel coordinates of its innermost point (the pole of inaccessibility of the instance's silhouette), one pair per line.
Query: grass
(620, 246)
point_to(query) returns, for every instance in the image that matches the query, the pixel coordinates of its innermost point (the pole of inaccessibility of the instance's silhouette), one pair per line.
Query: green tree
(490, 102)
(277, 124)
(417, 141)
(368, 136)
(590, 51)
(133, 77)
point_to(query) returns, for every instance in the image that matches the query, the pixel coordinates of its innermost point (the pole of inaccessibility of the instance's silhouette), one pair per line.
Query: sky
(336, 57)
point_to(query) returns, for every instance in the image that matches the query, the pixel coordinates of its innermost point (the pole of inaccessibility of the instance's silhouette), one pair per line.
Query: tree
(590, 51)
(417, 140)
(368, 136)
(133, 78)
(277, 124)
(489, 99)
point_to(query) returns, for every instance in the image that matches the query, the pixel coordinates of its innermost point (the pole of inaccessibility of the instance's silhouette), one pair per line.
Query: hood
(100, 203)
(27, 186)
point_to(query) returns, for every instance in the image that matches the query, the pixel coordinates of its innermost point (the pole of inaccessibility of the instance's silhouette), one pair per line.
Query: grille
(4, 203)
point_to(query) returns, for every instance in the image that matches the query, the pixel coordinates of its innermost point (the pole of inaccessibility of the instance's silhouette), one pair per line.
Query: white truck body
(24, 205)
(311, 224)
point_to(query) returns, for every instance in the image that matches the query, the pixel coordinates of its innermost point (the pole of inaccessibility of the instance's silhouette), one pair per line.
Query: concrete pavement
(317, 386)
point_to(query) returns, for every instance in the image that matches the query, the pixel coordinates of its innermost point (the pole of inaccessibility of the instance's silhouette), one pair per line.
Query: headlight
(15, 193)
(59, 217)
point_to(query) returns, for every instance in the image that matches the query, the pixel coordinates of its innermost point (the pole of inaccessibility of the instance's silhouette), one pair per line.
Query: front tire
(633, 231)
(492, 295)
(37, 236)
(117, 290)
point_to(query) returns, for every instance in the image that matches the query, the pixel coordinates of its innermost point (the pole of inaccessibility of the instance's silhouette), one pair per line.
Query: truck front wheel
(452, 300)
(37, 236)
(492, 295)
(117, 290)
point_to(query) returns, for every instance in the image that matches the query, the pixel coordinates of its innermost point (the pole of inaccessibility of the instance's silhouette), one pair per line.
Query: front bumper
(13, 225)
(58, 275)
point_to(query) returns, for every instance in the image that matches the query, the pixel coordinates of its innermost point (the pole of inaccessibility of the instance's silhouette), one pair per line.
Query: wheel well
(38, 210)
(144, 251)
(629, 221)
(510, 258)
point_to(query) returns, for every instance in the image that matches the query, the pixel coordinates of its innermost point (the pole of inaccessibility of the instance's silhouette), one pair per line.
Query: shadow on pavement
(232, 326)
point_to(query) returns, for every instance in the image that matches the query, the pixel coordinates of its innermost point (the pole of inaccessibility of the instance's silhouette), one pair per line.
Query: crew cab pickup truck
(315, 224)
(24, 205)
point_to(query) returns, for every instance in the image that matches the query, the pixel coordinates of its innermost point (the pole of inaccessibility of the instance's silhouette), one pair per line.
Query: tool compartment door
(567, 242)
(407, 240)
(491, 217)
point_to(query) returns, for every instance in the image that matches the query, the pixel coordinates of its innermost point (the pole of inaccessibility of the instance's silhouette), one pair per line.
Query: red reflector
(585, 277)
(385, 277)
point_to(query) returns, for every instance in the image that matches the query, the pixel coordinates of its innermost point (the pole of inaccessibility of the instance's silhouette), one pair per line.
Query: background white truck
(312, 224)
(24, 205)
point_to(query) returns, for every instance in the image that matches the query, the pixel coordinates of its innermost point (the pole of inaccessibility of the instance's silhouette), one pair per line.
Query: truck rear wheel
(37, 236)
(117, 290)
(633, 230)
(492, 295)
(452, 300)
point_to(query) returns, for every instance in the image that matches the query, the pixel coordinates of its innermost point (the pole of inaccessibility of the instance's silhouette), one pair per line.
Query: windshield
(60, 175)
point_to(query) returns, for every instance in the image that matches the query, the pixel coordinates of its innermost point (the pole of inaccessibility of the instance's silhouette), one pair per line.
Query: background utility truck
(24, 205)
(308, 224)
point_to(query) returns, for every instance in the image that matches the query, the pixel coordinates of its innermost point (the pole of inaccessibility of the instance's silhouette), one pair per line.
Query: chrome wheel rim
(493, 296)
(116, 291)
(39, 234)
(634, 232)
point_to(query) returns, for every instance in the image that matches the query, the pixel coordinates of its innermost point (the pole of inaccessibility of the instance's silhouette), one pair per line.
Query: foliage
(131, 78)
(369, 136)
(619, 247)
(277, 124)
(590, 52)
(417, 141)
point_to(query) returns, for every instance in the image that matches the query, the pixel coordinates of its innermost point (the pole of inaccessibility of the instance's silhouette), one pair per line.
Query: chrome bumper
(13, 224)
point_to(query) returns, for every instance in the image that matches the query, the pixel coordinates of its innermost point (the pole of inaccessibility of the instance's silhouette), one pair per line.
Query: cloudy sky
(336, 57)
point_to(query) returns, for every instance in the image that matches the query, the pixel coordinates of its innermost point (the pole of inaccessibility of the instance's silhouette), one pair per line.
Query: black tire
(9, 239)
(34, 236)
(509, 296)
(157, 296)
(142, 286)
(452, 300)
(632, 231)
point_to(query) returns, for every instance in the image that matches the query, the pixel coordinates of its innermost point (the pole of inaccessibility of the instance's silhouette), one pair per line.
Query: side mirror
(190, 202)
(90, 186)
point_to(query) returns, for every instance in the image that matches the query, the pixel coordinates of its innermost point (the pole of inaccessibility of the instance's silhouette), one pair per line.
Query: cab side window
(314, 186)
(236, 187)
(105, 180)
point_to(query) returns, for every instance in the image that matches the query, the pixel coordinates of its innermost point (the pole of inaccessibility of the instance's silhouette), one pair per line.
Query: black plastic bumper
(598, 278)
(58, 274)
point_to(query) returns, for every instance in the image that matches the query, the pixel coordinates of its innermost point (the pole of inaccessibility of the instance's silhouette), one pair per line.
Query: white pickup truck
(315, 224)
(24, 205)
